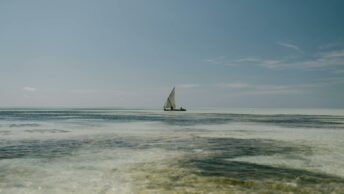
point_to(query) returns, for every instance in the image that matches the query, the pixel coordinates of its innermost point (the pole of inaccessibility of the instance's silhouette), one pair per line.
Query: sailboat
(170, 104)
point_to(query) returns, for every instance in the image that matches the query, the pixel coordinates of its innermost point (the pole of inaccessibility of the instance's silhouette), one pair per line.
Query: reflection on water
(94, 151)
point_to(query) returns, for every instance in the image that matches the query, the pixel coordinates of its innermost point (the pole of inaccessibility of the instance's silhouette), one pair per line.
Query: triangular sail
(171, 101)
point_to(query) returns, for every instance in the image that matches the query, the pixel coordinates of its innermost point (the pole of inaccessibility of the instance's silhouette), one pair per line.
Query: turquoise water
(151, 151)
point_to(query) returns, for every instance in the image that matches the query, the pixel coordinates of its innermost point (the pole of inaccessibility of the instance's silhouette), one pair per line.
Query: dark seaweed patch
(217, 164)
(39, 149)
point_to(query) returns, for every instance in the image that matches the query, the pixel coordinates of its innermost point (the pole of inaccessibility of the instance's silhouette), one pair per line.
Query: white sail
(171, 101)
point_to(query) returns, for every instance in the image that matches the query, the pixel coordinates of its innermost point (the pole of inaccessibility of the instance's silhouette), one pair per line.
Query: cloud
(188, 85)
(323, 60)
(235, 85)
(330, 59)
(269, 63)
(221, 60)
(84, 91)
(290, 46)
(332, 45)
(29, 89)
(248, 89)
(97, 92)
(265, 92)
(268, 91)
(216, 61)
(247, 60)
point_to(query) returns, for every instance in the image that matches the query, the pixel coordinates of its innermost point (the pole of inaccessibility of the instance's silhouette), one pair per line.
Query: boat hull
(181, 109)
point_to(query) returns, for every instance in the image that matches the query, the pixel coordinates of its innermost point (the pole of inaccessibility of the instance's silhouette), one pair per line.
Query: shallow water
(150, 151)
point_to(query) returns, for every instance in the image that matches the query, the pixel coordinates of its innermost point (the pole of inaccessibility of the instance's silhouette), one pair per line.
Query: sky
(131, 53)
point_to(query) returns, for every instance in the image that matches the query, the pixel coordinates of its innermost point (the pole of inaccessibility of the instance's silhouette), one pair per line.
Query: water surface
(150, 151)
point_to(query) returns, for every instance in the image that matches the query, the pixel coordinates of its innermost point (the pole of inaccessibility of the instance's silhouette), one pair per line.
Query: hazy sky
(242, 53)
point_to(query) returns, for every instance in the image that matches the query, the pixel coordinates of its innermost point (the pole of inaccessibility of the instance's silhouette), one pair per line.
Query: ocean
(103, 151)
